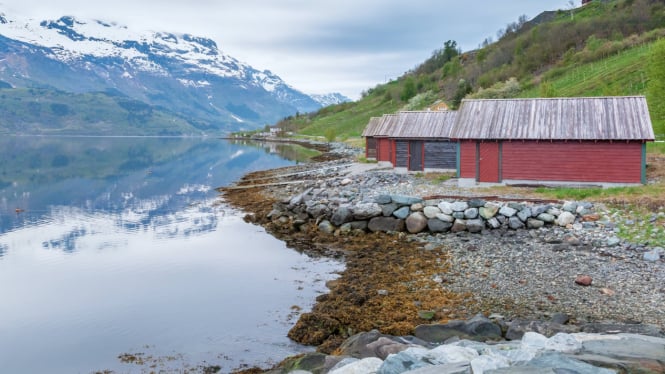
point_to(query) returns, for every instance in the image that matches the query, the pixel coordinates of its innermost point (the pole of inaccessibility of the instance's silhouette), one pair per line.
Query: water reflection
(289, 151)
(143, 183)
(120, 244)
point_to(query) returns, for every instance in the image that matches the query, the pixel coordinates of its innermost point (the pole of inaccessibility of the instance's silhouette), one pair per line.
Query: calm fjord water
(119, 245)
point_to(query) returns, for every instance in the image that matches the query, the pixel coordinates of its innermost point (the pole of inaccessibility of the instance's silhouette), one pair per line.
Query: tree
(450, 50)
(439, 57)
(330, 135)
(656, 88)
(409, 89)
(463, 88)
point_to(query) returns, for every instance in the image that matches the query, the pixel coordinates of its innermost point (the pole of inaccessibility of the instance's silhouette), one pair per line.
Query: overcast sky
(317, 46)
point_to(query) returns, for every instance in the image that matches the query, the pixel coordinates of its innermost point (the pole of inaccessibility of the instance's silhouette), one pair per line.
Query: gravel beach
(584, 272)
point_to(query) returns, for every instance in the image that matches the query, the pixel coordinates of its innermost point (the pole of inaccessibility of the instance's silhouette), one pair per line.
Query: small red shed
(369, 133)
(377, 144)
(422, 140)
(415, 140)
(590, 140)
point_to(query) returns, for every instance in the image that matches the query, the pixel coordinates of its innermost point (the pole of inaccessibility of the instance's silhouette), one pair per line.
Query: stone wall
(395, 213)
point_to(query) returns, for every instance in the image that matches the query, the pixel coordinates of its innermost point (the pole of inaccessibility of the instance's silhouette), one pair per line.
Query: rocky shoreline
(521, 262)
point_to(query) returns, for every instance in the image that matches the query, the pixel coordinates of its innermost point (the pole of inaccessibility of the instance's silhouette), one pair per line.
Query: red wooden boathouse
(421, 141)
(592, 140)
(415, 140)
(377, 142)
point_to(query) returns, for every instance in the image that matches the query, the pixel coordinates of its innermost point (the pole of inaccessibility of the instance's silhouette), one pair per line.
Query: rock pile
(390, 213)
(481, 345)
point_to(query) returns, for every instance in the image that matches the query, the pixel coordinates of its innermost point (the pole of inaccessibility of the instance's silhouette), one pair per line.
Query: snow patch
(194, 84)
(237, 118)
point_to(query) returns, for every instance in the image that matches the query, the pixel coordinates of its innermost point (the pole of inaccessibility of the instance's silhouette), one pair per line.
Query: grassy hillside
(621, 74)
(48, 112)
(596, 50)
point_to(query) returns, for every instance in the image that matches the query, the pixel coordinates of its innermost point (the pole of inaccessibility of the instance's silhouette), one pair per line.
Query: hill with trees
(603, 48)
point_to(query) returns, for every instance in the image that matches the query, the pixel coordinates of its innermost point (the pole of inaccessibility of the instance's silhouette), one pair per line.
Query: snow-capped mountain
(184, 74)
(331, 99)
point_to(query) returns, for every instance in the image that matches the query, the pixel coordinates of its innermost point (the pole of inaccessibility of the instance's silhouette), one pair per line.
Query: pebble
(583, 280)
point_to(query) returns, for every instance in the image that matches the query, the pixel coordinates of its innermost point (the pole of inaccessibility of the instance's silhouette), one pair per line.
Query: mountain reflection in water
(115, 245)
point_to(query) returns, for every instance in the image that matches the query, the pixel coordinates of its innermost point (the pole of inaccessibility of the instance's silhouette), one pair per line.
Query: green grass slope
(601, 49)
(623, 73)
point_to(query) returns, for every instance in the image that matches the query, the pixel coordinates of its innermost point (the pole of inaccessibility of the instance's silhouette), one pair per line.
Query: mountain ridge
(187, 74)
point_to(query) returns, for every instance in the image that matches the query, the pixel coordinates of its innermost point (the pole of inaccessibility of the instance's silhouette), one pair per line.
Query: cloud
(316, 46)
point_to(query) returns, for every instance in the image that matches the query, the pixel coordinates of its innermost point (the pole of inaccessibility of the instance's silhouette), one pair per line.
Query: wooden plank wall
(440, 155)
(401, 153)
(617, 162)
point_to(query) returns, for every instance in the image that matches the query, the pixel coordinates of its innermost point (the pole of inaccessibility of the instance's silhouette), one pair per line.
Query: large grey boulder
(436, 225)
(561, 363)
(489, 210)
(446, 208)
(404, 361)
(524, 214)
(478, 328)
(459, 206)
(493, 223)
(371, 344)
(358, 225)
(569, 206)
(383, 199)
(389, 209)
(538, 210)
(326, 227)
(515, 223)
(402, 212)
(475, 225)
(416, 222)
(471, 213)
(405, 200)
(364, 366)
(341, 216)
(431, 211)
(546, 217)
(385, 224)
(507, 211)
(445, 217)
(458, 226)
(366, 211)
(477, 203)
(517, 328)
(534, 223)
(565, 218)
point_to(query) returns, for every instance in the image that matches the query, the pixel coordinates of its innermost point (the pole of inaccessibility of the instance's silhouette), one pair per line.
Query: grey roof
(370, 129)
(582, 118)
(380, 126)
(412, 124)
(424, 124)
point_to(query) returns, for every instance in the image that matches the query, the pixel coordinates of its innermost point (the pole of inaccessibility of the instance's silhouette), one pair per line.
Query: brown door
(488, 162)
(370, 148)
